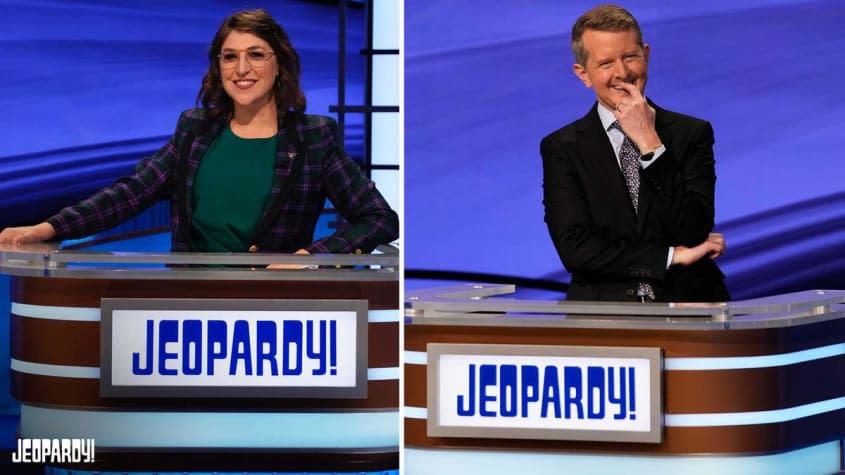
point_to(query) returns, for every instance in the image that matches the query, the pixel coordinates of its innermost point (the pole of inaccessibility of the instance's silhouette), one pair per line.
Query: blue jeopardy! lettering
(232, 344)
(560, 391)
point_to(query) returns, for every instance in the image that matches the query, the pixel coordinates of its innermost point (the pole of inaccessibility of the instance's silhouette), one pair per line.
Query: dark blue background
(486, 80)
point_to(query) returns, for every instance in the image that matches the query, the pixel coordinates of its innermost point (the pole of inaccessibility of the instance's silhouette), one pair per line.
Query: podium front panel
(751, 381)
(56, 317)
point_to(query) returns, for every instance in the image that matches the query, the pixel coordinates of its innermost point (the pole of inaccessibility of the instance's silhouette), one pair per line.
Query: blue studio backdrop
(486, 80)
(93, 86)
(99, 84)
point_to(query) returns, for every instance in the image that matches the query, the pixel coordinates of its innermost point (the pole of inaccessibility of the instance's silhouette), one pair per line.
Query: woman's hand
(27, 234)
(290, 266)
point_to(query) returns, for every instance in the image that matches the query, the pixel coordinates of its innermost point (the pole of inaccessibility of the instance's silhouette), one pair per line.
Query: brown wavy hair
(604, 17)
(217, 104)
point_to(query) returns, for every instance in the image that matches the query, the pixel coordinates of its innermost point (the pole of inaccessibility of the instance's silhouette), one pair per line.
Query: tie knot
(615, 125)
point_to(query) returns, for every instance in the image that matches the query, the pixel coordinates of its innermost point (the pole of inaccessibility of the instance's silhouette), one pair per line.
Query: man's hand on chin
(636, 117)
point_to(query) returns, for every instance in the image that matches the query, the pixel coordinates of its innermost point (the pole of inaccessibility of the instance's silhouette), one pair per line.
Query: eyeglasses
(256, 57)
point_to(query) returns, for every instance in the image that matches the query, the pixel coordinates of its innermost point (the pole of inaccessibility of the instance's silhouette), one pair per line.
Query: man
(628, 188)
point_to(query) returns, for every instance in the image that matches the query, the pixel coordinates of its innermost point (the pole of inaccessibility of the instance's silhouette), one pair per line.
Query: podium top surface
(486, 305)
(48, 260)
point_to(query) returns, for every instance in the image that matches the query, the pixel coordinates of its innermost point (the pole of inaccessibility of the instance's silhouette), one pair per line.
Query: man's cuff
(669, 258)
(654, 156)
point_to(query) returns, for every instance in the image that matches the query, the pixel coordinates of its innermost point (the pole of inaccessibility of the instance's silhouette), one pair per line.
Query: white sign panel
(545, 392)
(293, 348)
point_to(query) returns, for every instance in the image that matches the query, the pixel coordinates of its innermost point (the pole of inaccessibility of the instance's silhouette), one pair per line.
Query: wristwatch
(648, 156)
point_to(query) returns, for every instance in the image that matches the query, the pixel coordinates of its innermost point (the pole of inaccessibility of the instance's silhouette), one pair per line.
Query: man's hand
(27, 234)
(719, 240)
(713, 248)
(636, 118)
(290, 266)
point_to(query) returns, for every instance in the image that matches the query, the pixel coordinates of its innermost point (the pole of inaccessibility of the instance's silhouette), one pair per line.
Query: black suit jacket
(607, 246)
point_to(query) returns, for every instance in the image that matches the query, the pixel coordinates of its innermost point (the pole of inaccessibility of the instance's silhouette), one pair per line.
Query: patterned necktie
(629, 160)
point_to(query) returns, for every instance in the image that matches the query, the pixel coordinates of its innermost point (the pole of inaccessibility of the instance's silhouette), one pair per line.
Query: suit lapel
(195, 155)
(290, 159)
(596, 147)
(190, 154)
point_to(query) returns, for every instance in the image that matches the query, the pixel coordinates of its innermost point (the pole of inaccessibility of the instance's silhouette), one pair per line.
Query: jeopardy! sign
(233, 348)
(544, 392)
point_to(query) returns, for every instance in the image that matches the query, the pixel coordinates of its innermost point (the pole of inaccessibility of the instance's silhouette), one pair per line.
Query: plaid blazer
(286, 224)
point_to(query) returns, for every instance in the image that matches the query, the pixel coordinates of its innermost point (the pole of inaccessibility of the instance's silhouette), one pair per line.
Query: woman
(249, 171)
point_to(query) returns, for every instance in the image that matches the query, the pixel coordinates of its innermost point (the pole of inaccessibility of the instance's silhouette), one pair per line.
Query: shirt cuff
(657, 153)
(669, 257)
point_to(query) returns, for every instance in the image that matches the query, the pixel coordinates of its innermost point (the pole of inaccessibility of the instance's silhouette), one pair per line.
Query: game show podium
(500, 386)
(180, 362)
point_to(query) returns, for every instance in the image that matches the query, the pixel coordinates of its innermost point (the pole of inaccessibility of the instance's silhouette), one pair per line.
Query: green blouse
(231, 190)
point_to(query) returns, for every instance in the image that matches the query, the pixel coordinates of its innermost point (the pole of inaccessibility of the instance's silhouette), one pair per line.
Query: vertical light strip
(385, 80)
(388, 184)
(386, 127)
(386, 23)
